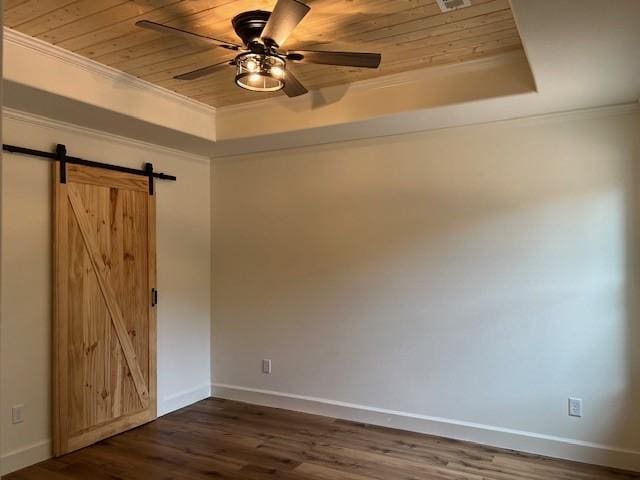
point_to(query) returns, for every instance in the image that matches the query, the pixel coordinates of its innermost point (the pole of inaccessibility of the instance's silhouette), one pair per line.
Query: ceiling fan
(260, 64)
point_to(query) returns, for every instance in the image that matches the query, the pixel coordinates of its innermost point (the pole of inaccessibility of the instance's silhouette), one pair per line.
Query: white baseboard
(182, 399)
(41, 451)
(25, 456)
(548, 445)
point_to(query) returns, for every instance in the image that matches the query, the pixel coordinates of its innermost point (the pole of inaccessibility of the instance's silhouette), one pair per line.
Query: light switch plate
(575, 407)
(17, 415)
(266, 366)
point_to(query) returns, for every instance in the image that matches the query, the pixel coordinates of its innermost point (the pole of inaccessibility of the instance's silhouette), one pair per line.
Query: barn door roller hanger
(60, 155)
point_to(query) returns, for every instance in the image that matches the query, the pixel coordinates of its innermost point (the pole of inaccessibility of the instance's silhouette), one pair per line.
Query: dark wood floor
(218, 439)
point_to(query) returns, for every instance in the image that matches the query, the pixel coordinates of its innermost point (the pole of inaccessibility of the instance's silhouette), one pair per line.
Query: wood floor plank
(226, 440)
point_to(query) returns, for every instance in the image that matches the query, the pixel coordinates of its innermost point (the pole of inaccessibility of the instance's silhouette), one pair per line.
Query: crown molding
(40, 121)
(20, 39)
(233, 149)
(629, 108)
(392, 80)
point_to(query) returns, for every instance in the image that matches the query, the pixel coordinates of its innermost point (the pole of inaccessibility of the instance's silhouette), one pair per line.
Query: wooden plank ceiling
(410, 34)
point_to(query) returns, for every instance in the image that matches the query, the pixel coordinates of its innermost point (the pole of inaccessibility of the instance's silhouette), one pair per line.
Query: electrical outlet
(16, 414)
(575, 407)
(266, 366)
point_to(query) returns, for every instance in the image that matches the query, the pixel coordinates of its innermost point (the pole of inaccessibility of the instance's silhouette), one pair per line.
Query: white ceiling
(585, 52)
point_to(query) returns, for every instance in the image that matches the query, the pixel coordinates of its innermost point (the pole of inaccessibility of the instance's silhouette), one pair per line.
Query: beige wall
(183, 251)
(99, 96)
(472, 277)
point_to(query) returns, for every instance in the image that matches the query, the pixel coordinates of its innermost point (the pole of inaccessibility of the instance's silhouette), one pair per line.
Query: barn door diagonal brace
(60, 155)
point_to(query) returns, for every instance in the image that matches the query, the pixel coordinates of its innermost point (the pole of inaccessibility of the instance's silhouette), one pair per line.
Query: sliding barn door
(104, 321)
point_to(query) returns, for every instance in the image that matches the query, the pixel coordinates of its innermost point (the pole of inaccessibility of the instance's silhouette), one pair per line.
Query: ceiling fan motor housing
(249, 25)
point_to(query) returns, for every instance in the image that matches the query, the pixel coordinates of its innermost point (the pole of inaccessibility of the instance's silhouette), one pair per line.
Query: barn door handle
(154, 297)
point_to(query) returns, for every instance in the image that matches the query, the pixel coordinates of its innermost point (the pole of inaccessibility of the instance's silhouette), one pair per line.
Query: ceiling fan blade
(292, 86)
(286, 16)
(204, 71)
(158, 27)
(347, 59)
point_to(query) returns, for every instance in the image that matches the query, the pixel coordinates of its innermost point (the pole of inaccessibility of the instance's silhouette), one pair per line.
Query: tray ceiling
(410, 34)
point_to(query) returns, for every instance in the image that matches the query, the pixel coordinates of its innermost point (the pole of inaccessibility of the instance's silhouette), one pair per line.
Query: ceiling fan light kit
(259, 72)
(261, 66)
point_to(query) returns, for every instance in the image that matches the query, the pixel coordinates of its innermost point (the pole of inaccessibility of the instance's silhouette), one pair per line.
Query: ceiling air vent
(450, 5)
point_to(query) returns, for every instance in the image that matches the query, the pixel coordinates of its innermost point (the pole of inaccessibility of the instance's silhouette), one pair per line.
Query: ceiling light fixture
(260, 72)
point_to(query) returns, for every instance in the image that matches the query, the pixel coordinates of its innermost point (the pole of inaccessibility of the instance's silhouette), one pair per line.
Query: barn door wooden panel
(104, 320)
